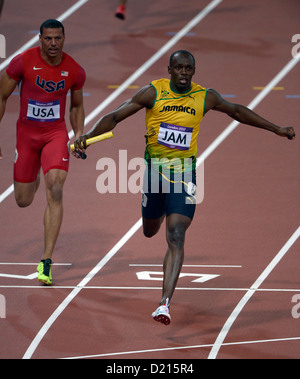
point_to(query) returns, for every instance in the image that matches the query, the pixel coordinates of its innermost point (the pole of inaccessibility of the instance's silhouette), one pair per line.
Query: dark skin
(181, 72)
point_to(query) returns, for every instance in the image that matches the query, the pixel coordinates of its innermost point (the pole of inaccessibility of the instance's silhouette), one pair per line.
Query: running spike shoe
(44, 270)
(162, 313)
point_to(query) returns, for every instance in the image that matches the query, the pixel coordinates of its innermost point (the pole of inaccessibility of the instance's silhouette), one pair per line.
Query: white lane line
(31, 349)
(184, 348)
(6, 193)
(196, 20)
(191, 266)
(234, 124)
(206, 153)
(36, 341)
(210, 7)
(31, 264)
(27, 45)
(133, 288)
(228, 324)
(35, 39)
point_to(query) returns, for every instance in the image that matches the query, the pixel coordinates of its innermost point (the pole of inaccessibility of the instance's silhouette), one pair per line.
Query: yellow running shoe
(44, 270)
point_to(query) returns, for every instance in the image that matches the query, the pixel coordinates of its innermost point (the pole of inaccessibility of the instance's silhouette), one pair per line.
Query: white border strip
(234, 315)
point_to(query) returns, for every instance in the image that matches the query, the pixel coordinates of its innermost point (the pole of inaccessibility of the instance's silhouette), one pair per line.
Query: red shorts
(37, 147)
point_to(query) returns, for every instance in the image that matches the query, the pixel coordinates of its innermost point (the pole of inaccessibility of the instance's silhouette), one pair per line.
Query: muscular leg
(177, 226)
(151, 227)
(24, 192)
(54, 180)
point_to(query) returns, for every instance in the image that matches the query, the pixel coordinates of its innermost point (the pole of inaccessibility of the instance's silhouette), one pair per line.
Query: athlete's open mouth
(183, 81)
(53, 51)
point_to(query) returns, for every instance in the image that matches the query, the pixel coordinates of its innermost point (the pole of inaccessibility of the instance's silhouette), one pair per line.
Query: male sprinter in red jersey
(45, 75)
(174, 110)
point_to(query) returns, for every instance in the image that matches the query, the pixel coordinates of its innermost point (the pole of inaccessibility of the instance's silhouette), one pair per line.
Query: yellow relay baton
(93, 140)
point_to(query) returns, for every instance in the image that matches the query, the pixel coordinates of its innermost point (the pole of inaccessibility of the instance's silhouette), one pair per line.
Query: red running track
(249, 216)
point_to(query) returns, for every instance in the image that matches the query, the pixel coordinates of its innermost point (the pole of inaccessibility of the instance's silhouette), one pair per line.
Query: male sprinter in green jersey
(174, 110)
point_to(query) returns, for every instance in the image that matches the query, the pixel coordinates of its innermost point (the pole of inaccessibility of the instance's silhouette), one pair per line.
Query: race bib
(43, 111)
(175, 137)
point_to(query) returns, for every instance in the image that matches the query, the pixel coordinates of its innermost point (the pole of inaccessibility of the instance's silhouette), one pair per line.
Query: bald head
(184, 53)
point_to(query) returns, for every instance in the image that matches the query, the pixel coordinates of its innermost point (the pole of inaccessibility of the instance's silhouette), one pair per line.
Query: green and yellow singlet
(173, 122)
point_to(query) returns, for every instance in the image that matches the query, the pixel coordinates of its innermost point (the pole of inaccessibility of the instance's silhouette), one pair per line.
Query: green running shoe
(44, 270)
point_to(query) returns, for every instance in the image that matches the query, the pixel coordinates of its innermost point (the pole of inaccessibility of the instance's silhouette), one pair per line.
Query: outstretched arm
(143, 98)
(7, 86)
(214, 101)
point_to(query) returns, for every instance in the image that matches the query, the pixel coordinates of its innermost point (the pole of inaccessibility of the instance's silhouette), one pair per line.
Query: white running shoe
(162, 313)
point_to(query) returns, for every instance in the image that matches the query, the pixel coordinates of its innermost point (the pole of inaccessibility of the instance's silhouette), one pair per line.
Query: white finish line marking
(26, 277)
(31, 264)
(134, 288)
(191, 266)
(184, 348)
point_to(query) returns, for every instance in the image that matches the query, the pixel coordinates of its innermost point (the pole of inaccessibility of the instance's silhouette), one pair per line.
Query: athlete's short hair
(184, 52)
(52, 24)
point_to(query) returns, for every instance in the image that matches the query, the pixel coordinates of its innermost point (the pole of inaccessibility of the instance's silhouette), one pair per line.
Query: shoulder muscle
(214, 101)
